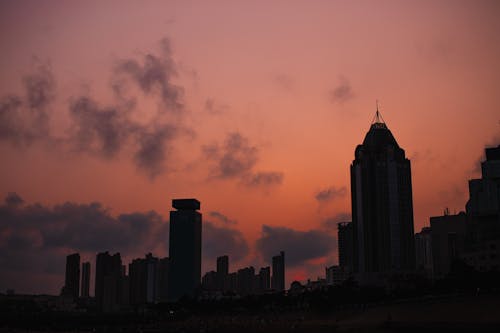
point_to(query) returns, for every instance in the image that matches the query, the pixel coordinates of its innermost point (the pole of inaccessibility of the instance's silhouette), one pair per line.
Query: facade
(184, 248)
(345, 245)
(278, 277)
(108, 278)
(382, 206)
(85, 280)
(448, 242)
(72, 278)
(222, 272)
(423, 253)
(336, 275)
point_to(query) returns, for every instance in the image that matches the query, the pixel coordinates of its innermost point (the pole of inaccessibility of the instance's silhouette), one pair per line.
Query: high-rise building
(345, 245)
(85, 280)
(222, 271)
(163, 269)
(264, 279)
(382, 206)
(143, 277)
(184, 248)
(423, 253)
(72, 280)
(278, 277)
(108, 274)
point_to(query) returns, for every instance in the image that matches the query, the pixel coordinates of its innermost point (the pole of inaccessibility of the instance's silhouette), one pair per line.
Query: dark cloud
(154, 75)
(215, 108)
(222, 218)
(34, 239)
(343, 92)
(236, 159)
(153, 149)
(299, 246)
(221, 240)
(26, 119)
(331, 222)
(264, 179)
(331, 193)
(101, 130)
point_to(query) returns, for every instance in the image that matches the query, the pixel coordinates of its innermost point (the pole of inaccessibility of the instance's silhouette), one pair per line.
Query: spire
(378, 121)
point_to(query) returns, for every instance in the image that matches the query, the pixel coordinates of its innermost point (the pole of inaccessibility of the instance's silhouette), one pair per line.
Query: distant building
(246, 278)
(336, 275)
(264, 279)
(184, 248)
(163, 269)
(278, 277)
(448, 242)
(382, 206)
(72, 280)
(423, 253)
(85, 280)
(108, 282)
(222, 272)
(144, 280)
(209, 281)
(345, 245)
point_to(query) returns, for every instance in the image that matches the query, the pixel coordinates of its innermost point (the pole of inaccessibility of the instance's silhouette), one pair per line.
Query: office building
(85, 280)
(382, 206)
(72, 279)
(184, 248)
(278, 277)
(108, 278)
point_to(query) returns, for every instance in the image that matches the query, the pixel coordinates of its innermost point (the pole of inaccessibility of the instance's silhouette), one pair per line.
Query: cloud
(34, 239)
(284, 81)
(222, 240)
(330, 194)
(264, 179)
(342, 92)
(299, 246)
(237, 159)
(24, 120)
(222, 218)
(154, 75)
(213, 107)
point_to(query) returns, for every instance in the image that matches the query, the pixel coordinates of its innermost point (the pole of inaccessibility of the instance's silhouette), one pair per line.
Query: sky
(109, 110)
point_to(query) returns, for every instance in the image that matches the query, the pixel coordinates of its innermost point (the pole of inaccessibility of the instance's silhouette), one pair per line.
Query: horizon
(253, 109)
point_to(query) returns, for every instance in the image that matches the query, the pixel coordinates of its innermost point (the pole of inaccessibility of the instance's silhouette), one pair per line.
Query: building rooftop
(186, 204)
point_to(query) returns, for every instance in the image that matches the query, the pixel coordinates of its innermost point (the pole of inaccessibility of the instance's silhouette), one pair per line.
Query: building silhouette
(278, 277)
(264, 279)
(72, 278)
(423, 253)
(184, 248)
(85, 280)
(108, 282)
(222, 272)
(345, 245)
(382, 208)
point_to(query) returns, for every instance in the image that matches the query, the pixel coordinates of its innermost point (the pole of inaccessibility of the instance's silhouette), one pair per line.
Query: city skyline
(218, 102)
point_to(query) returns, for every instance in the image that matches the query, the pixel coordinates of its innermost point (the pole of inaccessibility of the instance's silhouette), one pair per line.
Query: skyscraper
(278, 277)
(85, 279)
(184, 248)
(72, 280)
(222, 271)
(382, 208)
(108, 273)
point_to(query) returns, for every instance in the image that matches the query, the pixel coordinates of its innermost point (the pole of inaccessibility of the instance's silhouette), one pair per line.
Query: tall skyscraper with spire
(382, 205)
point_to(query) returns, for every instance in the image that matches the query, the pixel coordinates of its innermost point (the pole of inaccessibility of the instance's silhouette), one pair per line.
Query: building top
(493, 153)
(379, 134)
(186, 204)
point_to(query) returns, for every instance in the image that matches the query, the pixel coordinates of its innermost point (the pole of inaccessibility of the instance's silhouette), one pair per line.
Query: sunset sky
(109, 110)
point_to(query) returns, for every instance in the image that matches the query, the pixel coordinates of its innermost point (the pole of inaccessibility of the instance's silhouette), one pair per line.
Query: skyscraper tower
(382, 208)
(184, 248)
(85, 279)
(72, 280)
(278, 278)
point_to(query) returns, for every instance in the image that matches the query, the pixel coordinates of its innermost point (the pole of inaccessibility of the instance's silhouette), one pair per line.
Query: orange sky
(296, 80)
